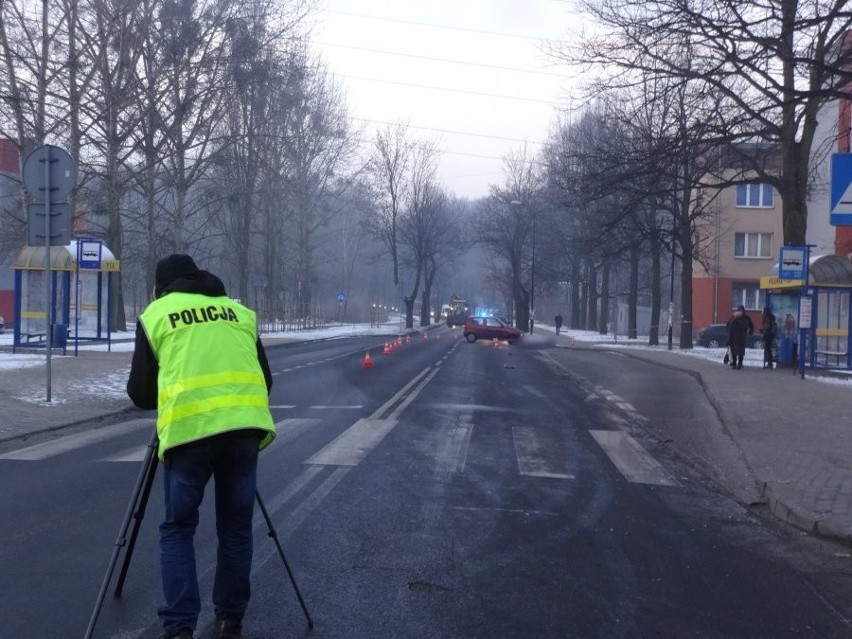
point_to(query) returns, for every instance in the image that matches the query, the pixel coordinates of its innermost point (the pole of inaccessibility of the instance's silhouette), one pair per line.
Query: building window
(753, 245)
(756, 196)
(749, 295)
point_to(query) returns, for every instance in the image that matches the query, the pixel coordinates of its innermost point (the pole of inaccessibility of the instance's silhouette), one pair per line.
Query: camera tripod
(136, 511)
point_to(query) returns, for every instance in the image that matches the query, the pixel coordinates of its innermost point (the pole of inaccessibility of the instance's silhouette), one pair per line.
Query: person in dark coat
(557, 321)
(740, 327)
(770, 332)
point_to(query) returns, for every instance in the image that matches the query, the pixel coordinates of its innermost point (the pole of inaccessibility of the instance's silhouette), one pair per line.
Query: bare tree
(317, 145)
(775, 63)
(387, 171)
(509, 224)
(420, 225)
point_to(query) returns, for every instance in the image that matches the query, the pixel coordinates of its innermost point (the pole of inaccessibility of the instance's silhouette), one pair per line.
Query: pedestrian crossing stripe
(353, 444)
(74, 441)
(632, 461)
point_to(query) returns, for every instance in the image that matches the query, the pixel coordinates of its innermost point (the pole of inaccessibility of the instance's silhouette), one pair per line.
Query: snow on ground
(123, 342)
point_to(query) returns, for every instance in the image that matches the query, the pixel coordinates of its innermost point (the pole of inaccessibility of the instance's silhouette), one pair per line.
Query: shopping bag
(729, 356)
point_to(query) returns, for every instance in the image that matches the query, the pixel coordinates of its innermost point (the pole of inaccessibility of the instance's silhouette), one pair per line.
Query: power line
(446, 60)
(434, 26)
(434, 88)
(476, 135)
(464, 154)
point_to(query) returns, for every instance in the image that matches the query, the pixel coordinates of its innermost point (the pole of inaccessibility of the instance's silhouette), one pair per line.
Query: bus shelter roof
(62, 258)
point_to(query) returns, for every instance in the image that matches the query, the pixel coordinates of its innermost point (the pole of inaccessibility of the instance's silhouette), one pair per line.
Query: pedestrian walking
(557, 322)
(740, 327)
(769, 329)
(199, 362)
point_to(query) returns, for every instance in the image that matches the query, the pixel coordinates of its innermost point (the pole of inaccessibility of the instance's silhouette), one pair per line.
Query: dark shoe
(183, 633)
(228, 628)
(739, 366)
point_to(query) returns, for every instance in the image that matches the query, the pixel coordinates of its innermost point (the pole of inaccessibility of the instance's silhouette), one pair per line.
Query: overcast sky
(469, 74)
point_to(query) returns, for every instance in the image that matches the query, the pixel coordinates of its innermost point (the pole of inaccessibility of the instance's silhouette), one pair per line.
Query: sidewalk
(794, 433)
(798, 445)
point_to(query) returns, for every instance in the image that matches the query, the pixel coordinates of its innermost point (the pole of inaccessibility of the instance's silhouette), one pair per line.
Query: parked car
(716, 336)
(489, 328)
(2, 325)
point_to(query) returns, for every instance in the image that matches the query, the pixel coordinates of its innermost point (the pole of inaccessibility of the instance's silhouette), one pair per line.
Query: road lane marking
(453, 455)
(353, 444)
(474, 407)
(531, 452)
(507, 510)
(356, 442)
(533, 391)
(61, 445)
(632, 461)
(290, 428)
(135, 454)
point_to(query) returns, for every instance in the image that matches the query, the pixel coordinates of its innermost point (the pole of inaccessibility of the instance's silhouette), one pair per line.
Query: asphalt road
(451, 490)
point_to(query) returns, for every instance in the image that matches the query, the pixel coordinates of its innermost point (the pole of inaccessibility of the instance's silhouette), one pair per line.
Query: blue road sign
(89, 253)
(841, 189)
(793, 263)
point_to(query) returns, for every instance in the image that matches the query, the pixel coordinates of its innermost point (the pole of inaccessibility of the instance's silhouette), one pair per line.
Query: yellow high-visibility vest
(210, 380)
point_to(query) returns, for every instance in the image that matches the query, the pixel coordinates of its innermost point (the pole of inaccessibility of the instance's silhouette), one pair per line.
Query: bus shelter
(81, 280)
(815, 316)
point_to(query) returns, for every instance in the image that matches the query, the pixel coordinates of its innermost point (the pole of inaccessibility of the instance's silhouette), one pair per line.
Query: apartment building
(738, 240)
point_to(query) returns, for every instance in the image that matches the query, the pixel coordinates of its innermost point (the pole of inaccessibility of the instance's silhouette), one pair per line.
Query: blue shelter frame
(88, 295)
(820, 312)
(826, 343)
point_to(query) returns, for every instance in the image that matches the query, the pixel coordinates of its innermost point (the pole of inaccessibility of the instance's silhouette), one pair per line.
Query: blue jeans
(231, 458)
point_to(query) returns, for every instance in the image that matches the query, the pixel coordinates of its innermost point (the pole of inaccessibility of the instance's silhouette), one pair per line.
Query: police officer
(199, 362)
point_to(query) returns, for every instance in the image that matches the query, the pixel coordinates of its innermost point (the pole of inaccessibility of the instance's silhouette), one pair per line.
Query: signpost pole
(48, 309)
(49, 174)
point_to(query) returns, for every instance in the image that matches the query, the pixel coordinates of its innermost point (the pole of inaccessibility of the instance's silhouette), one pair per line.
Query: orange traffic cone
(408, 339)
(573, 342)
(496, 343)
(399, 341)
(387, 348)
(368, 363)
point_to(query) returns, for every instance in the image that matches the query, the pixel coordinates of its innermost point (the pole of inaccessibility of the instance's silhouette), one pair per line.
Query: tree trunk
(633, 294)
(604, 317)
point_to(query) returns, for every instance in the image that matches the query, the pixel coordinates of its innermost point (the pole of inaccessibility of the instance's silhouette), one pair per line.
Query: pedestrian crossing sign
(841, 189)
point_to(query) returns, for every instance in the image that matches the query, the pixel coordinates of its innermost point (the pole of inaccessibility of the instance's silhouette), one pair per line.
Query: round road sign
(61, 176)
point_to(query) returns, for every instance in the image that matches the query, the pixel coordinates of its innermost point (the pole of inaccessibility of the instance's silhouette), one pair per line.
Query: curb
(803, 521)
(79, 422)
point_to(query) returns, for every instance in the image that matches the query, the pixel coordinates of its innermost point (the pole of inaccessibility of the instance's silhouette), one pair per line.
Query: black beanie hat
(172, 267)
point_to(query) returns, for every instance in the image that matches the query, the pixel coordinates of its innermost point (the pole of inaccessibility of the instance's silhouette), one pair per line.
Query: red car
(489, 328)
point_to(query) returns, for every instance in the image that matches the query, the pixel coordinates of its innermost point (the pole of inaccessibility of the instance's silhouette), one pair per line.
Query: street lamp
(532, 277)
(671, 284)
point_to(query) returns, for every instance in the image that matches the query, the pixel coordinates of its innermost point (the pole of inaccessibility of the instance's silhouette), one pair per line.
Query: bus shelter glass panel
(831, 344)
(33, 325)
(88, 309)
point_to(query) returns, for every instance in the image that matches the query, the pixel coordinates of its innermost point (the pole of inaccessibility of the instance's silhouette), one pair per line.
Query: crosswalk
(535, 452)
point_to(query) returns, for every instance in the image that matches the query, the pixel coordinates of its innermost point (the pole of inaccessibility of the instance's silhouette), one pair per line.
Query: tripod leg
(274, 535)
(137, 516)
(150, 460)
